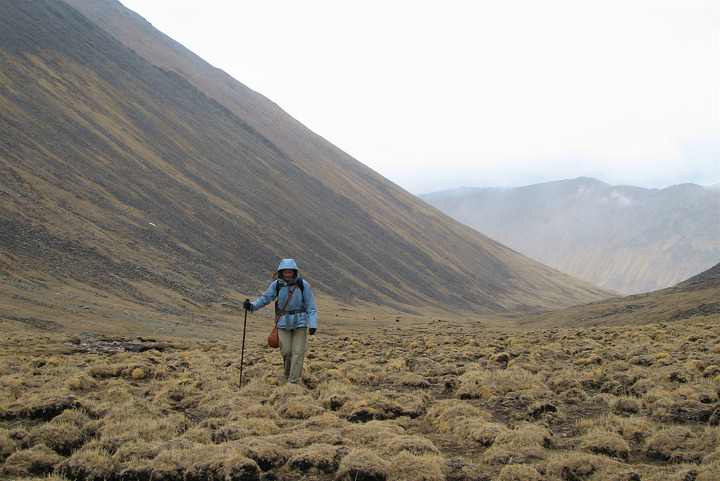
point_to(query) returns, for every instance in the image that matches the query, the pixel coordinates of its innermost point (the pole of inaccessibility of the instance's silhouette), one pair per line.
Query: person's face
(288, 274)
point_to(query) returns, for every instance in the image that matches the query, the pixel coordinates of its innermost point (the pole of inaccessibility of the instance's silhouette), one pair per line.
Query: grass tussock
(36, 461)
(361, 464)
(522, 445)
(519, 472)
(406, 466)
(598, 441)
(8, 444)
(610, 404)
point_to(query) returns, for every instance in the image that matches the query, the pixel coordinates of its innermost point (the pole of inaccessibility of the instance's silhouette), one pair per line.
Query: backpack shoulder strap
(300, 283)
(277, 293)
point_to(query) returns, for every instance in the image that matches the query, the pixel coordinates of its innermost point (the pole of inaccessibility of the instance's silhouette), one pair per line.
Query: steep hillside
(625, 238)
(694, 298)
(140, 185)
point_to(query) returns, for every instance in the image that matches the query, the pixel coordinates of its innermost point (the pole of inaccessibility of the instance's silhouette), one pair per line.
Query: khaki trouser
(292, 350)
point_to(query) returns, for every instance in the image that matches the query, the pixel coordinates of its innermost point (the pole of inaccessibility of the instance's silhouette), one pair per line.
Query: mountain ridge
(626, 238)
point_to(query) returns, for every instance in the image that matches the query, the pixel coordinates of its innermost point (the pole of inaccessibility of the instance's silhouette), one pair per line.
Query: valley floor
(379, 402)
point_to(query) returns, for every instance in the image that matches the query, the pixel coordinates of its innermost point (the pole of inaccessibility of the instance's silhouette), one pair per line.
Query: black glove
(312, 331)
(248, 305)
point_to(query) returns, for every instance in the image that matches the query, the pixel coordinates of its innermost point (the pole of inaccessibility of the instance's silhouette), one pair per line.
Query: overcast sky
(486, 93)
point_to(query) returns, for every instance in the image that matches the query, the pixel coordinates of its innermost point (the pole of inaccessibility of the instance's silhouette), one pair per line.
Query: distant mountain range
(629, 239)
(140, 185)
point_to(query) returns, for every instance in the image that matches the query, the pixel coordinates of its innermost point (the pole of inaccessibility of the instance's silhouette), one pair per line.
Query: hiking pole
(242, 351)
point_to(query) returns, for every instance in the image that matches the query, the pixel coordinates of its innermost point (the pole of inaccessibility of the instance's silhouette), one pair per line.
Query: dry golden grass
(598, 404)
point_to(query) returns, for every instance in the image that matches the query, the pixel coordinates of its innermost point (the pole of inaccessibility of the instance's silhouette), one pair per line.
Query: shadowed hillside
(625, 238)
(139, 185)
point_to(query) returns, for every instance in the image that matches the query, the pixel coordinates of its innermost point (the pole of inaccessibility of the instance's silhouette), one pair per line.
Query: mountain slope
(625, 238)
(694, 298)
(154, 185)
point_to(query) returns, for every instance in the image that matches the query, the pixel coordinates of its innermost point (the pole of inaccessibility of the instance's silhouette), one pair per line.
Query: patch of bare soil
(600, 404)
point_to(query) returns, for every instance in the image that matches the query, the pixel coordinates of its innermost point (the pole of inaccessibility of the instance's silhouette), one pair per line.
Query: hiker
(294, 321)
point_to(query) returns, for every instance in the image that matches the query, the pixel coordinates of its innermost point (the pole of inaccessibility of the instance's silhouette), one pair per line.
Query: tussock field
(596, 404)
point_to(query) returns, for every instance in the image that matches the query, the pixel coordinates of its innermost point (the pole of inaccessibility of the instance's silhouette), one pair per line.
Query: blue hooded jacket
(301, 310)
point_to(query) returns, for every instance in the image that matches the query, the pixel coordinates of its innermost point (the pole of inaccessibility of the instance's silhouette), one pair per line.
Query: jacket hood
(287, 264)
